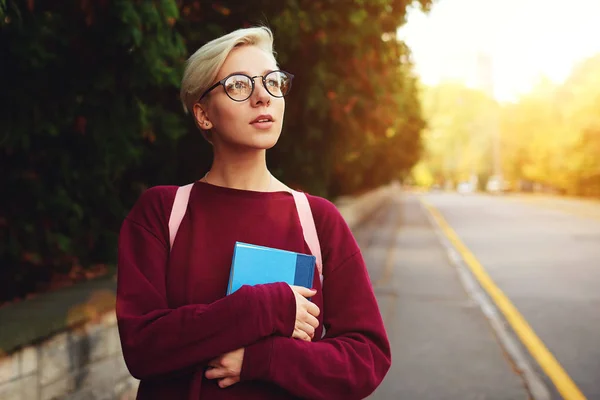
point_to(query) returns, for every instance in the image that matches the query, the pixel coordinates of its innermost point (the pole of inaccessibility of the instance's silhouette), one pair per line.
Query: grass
(32, 320)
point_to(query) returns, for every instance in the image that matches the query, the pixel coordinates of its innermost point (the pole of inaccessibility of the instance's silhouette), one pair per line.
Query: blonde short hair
(202, 67)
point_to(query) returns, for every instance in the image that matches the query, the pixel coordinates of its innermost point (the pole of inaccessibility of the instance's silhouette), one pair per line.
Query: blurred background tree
(355, 121)
(549, 139)
(458, 137)
(91, 116)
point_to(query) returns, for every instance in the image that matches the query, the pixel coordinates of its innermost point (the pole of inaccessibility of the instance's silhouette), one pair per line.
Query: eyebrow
(249, 74)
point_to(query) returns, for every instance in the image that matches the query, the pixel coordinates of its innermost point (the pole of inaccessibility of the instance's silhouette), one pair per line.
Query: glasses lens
(278, 83)
(238, 87)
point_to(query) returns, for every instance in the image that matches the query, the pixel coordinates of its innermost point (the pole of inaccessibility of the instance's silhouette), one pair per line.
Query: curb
(356, 211)
(536, 387)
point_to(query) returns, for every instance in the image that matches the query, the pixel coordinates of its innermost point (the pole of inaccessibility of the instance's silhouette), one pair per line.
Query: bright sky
(526, 39)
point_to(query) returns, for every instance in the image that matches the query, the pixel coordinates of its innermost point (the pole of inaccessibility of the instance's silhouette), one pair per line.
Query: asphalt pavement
(543, 253)
(443, 346)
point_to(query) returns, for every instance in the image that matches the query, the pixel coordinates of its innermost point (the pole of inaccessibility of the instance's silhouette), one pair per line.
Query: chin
(264, 139)
(251, 140)
(265, 142)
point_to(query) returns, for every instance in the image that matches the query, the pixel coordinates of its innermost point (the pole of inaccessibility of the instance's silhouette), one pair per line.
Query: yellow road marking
(564, 384)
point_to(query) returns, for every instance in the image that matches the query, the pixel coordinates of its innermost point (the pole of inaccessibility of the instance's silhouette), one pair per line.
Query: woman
(180, 334)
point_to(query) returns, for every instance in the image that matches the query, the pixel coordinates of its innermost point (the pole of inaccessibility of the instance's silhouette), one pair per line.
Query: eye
(238, 84)
(274, 83)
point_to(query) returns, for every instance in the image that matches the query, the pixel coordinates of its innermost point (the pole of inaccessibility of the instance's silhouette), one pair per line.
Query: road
(535, 262)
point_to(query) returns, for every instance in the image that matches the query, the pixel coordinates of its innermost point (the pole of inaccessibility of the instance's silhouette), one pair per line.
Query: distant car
(495, 185)
(465, 187)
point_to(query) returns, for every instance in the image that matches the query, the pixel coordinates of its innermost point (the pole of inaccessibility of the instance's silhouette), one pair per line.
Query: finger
(304, 332)
(215, 373)
(312, 321)
(306, 337)
(226, 382)
(215, 363)
(300, 334)
(309, 330)
(313, 309)
(301, 290)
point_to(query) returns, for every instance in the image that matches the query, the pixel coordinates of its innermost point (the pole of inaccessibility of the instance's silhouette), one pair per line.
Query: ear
(201, 117)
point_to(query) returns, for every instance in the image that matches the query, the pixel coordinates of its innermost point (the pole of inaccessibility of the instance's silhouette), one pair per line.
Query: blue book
(254, 265)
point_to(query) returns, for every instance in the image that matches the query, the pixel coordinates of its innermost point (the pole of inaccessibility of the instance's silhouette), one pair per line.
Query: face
(233, 123)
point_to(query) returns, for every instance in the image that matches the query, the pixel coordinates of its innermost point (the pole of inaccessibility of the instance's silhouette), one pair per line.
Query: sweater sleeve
(353, 357)
(157, 339)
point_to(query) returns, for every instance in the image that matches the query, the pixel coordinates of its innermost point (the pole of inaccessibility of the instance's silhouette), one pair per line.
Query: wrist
(280, 308)
(256, 364)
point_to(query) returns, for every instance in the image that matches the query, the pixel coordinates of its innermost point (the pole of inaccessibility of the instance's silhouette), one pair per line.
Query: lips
(265, 118)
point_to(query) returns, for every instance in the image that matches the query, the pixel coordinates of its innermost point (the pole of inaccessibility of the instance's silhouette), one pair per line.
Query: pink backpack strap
(307, 221)
(178, 211)
(308, 228)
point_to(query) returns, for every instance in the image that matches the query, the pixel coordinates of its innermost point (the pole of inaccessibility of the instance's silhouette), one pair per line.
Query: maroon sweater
(174, 317)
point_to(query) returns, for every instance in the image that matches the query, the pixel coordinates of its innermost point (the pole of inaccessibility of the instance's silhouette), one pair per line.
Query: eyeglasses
(239, 87)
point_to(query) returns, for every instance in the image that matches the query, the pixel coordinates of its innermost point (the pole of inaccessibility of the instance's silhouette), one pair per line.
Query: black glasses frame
(262, 78)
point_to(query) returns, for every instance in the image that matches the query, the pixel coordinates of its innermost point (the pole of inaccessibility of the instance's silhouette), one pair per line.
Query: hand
(226, 368)
(306, 314)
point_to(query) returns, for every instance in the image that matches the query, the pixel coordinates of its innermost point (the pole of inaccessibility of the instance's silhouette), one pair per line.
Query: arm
(352, 359)
(157, 339)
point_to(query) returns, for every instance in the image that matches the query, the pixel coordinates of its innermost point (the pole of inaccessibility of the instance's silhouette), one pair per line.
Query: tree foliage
(549, 139)
(89, 100)
(352, 120)
(357, 121)
(91, 115)
(459, 134)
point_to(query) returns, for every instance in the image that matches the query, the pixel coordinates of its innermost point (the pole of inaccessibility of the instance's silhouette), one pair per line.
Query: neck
(245, 170)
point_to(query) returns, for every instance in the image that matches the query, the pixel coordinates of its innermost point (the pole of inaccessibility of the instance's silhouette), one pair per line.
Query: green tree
(358, 120)
(92, 116)
(353, 119)
(90, 97)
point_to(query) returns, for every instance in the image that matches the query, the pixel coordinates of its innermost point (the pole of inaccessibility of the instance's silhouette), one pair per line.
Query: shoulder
(337, 240)
(329, 221)
(324, 210)
(153, 206)
(156, 197)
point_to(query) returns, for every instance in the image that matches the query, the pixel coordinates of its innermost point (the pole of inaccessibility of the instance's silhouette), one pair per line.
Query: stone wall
(356, 210)
(85, 362)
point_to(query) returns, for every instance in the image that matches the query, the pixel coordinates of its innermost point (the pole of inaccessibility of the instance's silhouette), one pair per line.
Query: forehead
(249, 59)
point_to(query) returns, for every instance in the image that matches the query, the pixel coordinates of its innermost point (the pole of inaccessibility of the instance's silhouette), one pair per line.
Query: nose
(260, 95)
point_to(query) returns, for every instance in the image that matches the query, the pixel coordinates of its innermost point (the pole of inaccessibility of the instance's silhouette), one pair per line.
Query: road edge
(535, 386)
